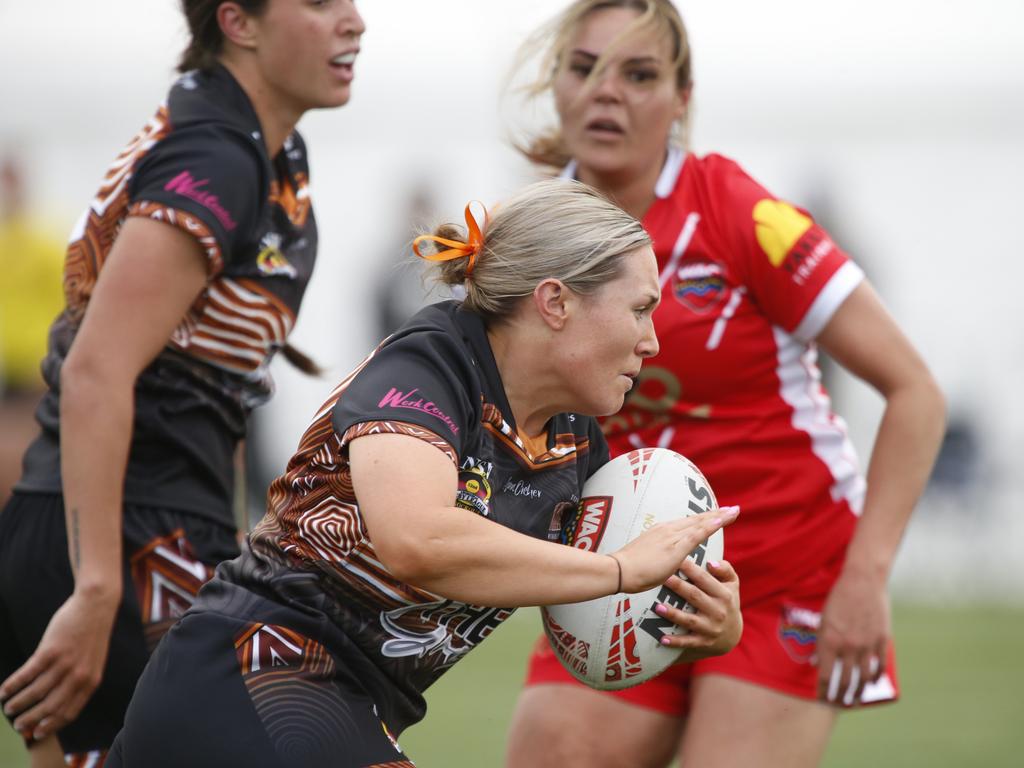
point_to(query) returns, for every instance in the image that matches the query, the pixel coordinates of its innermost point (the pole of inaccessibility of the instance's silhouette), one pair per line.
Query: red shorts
(779, 641)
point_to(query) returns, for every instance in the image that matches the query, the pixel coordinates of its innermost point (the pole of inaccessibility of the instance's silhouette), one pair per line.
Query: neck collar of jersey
(667, 179)
(226, 100)
(475, 333)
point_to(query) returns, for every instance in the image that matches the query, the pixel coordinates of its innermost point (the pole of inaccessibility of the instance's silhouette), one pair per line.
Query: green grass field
(962, 673)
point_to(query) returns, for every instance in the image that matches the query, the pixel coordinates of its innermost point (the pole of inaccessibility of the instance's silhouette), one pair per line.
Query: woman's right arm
(152, 276)
(406, 488)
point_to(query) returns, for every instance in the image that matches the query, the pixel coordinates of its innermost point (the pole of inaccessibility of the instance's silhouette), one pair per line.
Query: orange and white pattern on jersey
(290, 679)
(565, 447)
(167, 576)
(188, 224)
(312, 513)
(321, 520)
(295, 201)
(96, 230)
(235, 325)
(263, 647)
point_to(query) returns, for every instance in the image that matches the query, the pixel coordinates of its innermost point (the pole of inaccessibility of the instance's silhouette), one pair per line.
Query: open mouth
(343, 64)
(604, 127)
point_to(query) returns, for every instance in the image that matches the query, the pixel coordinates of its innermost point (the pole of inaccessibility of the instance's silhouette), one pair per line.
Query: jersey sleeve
(791, 267)
(209, 181)
(421, 380)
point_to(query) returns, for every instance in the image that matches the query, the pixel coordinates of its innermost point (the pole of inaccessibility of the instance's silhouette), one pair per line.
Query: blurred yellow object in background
(31, 292)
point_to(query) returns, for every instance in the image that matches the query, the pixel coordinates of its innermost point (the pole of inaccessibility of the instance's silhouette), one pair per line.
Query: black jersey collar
(223, 99)
(475, 333)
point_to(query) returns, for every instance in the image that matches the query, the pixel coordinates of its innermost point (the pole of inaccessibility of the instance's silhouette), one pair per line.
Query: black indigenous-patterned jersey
(435, 380)
(200, 165)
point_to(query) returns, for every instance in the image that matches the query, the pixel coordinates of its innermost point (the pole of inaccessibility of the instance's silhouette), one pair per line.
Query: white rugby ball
(614, 642)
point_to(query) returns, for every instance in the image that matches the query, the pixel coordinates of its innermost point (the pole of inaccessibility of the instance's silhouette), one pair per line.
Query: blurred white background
(899, 123)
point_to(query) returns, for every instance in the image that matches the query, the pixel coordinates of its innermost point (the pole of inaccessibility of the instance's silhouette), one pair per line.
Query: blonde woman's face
(621, 123)
(610, 336)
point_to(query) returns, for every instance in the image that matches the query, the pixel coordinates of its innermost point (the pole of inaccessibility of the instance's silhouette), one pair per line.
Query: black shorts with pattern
(168, 555)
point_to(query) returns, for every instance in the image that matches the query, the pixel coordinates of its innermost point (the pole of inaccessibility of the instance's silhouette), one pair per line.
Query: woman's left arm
(855, 623)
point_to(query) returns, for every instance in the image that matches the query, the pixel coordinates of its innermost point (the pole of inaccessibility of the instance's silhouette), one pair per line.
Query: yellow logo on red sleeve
(778, 226)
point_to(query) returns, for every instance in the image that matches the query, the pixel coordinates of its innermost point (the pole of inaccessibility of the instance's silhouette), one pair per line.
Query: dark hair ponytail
(301, 360)
(207, 39)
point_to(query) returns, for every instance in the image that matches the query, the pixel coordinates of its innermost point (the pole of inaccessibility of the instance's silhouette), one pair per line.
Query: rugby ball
(614, 642)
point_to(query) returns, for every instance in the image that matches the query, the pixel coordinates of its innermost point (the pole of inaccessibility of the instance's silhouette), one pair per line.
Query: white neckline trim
(670, 172)
(666, 180)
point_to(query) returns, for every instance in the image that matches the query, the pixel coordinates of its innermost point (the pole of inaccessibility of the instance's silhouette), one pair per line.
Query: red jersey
(747, 281)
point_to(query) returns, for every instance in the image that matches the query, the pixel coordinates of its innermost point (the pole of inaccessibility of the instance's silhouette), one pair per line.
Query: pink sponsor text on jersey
(397, 399)
(183, 184)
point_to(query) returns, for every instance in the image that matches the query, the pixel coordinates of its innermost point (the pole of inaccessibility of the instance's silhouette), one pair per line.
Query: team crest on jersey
(798, 632)
(474, 491)
(270, 260)
(699, 284)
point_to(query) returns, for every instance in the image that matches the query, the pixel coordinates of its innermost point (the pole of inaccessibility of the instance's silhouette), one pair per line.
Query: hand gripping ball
(614, 642)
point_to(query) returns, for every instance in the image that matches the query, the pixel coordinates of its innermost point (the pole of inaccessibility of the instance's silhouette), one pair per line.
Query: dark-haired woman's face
(306, 51)
(623, 121)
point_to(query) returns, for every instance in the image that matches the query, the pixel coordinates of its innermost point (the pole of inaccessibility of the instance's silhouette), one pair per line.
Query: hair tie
(455, 248)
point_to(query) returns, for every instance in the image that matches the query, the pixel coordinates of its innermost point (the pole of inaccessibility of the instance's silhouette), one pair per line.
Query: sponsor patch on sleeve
(778, 226)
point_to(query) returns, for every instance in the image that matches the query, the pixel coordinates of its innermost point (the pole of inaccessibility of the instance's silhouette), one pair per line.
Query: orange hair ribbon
(455, 248)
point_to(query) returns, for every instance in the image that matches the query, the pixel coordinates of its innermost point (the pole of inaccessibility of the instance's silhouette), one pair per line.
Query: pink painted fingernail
(714, 564)
(660, 609)
(665, 640)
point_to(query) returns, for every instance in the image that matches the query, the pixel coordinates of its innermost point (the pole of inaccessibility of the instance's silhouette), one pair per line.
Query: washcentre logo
(396, 398)
(185, 185)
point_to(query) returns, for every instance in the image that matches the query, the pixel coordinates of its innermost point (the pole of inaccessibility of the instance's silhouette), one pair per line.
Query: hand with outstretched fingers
(655, 554)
